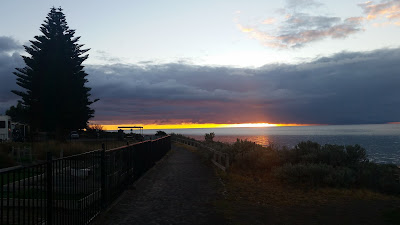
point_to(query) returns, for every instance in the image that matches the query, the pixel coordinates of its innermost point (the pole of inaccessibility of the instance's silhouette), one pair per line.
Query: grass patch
(39, 149)
(69, 148)
(10, 177)
(6, 160)
(251, 199)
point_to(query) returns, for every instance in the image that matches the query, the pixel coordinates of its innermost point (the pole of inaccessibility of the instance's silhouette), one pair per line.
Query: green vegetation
(69, 148)
(209, 137)
(6, 178)
(93, 131)
(18, 113)
(58, 148)
(314, 165)
(309, 184)
(161, 133)
(6, 161)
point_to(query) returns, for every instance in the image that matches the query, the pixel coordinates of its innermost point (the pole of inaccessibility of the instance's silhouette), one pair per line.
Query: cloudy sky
(225, 62)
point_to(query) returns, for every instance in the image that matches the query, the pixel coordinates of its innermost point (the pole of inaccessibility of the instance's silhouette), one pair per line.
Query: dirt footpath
(180, 189)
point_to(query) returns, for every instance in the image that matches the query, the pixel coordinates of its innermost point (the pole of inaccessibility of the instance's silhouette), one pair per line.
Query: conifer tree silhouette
(55, 96)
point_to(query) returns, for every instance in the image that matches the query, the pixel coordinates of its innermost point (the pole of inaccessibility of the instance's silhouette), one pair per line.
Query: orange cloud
(269, 21)
(245, 29)
(386, 9)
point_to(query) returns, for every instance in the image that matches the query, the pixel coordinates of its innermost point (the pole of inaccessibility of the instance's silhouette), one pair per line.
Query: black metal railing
(74, 189)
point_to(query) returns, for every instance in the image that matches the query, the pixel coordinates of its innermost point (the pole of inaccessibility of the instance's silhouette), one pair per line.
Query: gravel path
(180, 189)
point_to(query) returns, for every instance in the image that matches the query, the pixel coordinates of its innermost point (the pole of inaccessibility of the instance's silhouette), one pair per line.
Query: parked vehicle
(5, 128)
(74, 135)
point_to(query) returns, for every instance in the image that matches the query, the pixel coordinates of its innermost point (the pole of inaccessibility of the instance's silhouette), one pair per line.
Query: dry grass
(250, 199)
(267, 189)
(6, 161)
(67, 148)
(71, 147)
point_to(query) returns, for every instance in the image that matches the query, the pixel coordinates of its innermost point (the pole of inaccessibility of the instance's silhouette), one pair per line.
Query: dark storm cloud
(9, 44)
(358, 87)
(9, 60)
(341, 89)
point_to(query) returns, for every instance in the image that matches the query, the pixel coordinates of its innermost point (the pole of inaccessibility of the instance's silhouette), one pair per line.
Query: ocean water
(381, 141)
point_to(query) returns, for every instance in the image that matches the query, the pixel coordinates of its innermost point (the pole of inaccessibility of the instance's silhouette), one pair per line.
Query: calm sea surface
(382, 141)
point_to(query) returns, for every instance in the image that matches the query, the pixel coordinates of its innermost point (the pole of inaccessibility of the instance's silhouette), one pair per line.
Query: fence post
(226, 161)
(103, 175)
(169, 143)
(49, 175)
(150, 154)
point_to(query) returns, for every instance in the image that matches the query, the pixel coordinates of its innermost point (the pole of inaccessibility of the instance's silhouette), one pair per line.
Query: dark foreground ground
(184, 189)
(180, 189)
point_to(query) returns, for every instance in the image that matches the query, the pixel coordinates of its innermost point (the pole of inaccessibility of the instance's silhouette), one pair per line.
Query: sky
(224, 62)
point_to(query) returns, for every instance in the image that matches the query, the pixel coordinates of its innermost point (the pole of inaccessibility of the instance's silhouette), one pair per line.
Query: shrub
(6, 161)
(356, 154)
(242, 146)
(161, 133)
(340, 177)
(304, 152)
(316, 174)
(209, 137)
(5, 147)
(334, 155)
(259, 160)
(312, 164)
(379, 177)
(303, 173)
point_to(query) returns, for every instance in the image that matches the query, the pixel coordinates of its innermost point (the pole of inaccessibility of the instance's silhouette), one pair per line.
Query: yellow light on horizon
(199, 125)
(167, 126)
(253, 125)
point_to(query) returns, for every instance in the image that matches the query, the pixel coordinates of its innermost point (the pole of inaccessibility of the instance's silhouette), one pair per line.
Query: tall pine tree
(55, 94)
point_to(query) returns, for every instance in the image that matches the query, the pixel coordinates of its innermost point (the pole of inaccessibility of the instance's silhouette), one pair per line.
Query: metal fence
(74, 189)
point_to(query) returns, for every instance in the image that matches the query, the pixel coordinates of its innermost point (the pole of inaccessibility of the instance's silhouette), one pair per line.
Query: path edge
(132, 187)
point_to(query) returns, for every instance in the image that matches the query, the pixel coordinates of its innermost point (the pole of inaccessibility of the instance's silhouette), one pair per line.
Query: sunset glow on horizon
(246, 64)
(199, 125)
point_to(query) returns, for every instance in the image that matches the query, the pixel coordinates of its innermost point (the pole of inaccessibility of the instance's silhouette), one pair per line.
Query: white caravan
(5, 128)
